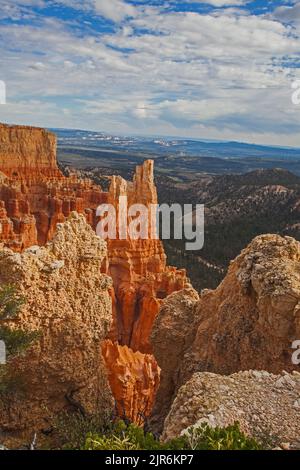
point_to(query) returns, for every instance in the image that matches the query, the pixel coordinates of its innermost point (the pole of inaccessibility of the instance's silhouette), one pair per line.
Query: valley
(244, 195)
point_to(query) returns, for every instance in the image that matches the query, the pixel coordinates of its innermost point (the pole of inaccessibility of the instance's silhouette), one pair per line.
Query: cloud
(288, 13)
(222, 3)
(115, 10)
(18, 9)
(178, 73)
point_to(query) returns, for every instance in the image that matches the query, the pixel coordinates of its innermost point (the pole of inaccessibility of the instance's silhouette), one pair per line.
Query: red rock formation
(35, 197)
(34, 193)
(134, 379)
(138, 267)
(19, 142)
(141, 281)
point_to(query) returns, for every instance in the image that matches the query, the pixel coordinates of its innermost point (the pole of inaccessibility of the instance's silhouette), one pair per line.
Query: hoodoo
(35, 196)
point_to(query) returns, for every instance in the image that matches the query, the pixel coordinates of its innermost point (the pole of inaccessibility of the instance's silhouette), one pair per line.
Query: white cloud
(18, 9)
(185, 74)
(288, 13)
(115, 10)
(222, 3)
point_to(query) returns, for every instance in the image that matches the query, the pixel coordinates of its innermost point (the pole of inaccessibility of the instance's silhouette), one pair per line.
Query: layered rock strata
(138, 267)
(34, 194)
(28, 153)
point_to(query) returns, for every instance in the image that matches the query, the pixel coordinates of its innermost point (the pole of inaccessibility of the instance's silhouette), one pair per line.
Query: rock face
(28, 152)
(69, 304)
(141, 281)
(249, 322)
(30, 210)
(172, 334)
(138, 267)
(134, 378)
(253, 317)
(35, 197)
(265, 405)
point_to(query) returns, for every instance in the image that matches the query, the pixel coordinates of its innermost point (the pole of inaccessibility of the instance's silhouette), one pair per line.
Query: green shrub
(16, 340)
(131, 437)
(10, 302)
(229, 438)
(111, 443)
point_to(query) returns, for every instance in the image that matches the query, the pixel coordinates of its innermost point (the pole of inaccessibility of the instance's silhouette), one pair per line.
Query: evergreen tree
(15, 341)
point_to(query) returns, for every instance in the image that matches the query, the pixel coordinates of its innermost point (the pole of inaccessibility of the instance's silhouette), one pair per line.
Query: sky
(220, 69)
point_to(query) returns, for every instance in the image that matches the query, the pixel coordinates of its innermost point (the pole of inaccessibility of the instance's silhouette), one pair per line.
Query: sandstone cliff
(174, 331)
(68, 303)
(248, 322)
(28, 152)
(33, 202)
(141, 281)
(35, 197)
(267, 406)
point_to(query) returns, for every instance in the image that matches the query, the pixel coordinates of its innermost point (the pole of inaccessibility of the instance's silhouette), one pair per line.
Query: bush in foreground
(131, 437)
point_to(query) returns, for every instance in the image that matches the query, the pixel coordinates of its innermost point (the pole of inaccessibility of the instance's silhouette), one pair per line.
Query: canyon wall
(69, 304)
(28, 152)
(249, 322)
(35, 197)
(96, 304)
(141, 281)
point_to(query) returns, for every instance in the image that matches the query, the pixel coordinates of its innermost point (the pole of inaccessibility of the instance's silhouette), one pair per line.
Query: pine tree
(15, 341)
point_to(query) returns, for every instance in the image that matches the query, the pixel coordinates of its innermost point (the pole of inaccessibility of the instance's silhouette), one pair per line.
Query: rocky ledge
(267, 406)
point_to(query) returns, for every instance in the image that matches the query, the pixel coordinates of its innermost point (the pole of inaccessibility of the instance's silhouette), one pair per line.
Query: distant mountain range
(171, 145)
(180, 158)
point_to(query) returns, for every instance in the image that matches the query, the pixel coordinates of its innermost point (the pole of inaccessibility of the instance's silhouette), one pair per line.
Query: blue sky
(221, 69)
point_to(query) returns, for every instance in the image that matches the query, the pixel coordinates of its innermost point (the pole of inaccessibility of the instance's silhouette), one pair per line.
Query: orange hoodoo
(35, 196)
